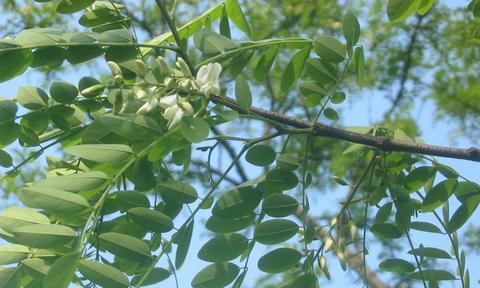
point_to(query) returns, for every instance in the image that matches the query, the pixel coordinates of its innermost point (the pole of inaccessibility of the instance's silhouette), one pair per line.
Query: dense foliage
(120, 204)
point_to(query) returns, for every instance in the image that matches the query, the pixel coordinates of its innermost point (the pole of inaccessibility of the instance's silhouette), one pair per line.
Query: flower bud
(142, 68)
(116, 70)
(328, 243)
(183, 67)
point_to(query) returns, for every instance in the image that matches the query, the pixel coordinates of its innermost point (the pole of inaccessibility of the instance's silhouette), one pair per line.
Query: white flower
(207, 78)
(175, 109)
(148, 106)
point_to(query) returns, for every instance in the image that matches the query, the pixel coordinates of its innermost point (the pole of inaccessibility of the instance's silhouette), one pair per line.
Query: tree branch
(407, 65)
(232, 153)
(381, 143)
(354, 260)
(182, 51)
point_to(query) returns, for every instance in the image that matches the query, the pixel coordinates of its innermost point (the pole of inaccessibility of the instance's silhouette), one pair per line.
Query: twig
(182, 51)
(381, 143)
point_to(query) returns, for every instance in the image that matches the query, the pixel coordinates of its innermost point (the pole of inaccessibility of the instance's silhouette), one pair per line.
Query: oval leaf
(275, 231)
(279, 260)
(103, 274)
(216, 275)
(223, 248)
(100, 152)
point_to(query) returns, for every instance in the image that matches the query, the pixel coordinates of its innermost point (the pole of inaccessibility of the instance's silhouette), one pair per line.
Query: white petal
(187, 107)
(202, 75)
(170, 112)
(168, 101)
(178, 117)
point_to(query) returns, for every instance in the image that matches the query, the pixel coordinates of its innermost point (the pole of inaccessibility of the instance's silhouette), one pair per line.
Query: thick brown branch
(381, 143)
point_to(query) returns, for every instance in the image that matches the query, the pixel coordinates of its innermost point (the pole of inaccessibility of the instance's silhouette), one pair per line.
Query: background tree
(133, 122)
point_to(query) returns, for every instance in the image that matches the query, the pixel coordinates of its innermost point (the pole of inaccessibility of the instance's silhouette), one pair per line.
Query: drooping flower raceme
(175, 109)
(207, 79)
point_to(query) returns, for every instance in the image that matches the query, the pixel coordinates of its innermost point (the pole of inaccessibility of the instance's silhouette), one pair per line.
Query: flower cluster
(178, 84)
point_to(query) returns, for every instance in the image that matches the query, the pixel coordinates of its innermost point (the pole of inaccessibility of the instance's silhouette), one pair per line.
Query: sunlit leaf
(223, 248)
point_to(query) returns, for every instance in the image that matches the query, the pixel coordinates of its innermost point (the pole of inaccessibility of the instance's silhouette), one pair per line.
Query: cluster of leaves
(90, 221)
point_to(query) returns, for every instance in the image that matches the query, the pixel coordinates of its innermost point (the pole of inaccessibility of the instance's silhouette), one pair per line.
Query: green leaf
(56, 201)
(425, 6)
(351, 30)
(62, 271)
(102, 274)
(419, 177)
(261, 155)
(156, 275)
(223, 248)
(9, 277)
(100, 152)
(216, 275)
(43, 235)
(77, 182)
(359, 64)
(210, 42)
(386, 230)
(463, 213)
(183, 238)
(8, 110)
(235, 14)
(384, 213)
(72, 6)
(281, 180)
(397, 265)
(237, 202)
(14, 217)
(466, 190)
(338, 98)
(224, 27)
(131, 127)
(36, 268)
(13, 63)
(32, 97)
(13, 253)
(125, 246)
(294, 69)
(219, 224)
(194, 129)
(432, 275)
(63, 92)
(330, 49)
(313, 91)
(425, 227)
(321, 71)
(305, 281)
(5, 159)
(265, 64)
(399, 10)
(77, 55)
(39, 37)
(126, 200)
(331, 114)
(439, 194)
(10, 132)
(288, 162)
(51, 57)
(178, 191)
(279, 205)
(430, 252)
(243, 95)
(275, 231)
(152, 220)
(279, 260)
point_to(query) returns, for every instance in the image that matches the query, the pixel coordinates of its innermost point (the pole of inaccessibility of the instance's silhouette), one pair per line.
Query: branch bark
(381, 143)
